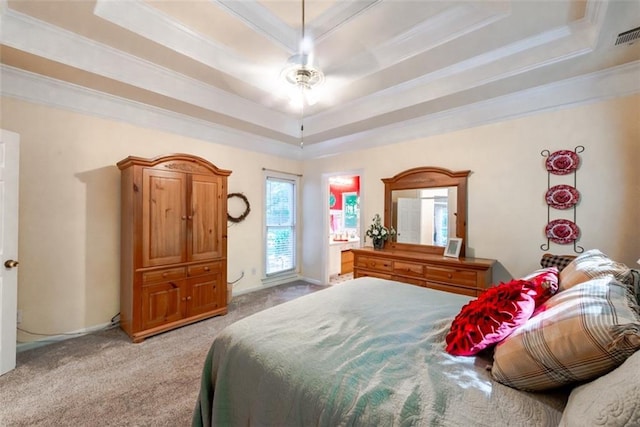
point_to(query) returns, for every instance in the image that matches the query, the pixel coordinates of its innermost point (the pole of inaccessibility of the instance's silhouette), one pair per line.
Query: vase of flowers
(379, 233)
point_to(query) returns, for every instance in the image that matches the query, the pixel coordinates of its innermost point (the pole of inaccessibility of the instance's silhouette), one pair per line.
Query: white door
(9, 157)
(409, 218)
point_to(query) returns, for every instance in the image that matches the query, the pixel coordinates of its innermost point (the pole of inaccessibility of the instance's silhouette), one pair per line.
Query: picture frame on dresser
(453, 247)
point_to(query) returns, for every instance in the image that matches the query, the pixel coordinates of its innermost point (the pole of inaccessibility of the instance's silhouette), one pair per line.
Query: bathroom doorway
(343, 224)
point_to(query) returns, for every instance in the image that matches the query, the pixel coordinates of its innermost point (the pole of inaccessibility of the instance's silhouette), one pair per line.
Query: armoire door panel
(163, 303)
(206, 294)
(164, 221)
(205, 219)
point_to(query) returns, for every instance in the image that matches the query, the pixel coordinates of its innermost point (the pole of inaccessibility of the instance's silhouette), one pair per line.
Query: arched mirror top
(426, 206)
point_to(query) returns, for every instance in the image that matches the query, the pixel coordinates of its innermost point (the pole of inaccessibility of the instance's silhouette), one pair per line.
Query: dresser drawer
(368, 273)
(163, 275)
(201, 269)
(374, 263)
(408, 268)
(454, 289)
(453, 276)
(411, 281)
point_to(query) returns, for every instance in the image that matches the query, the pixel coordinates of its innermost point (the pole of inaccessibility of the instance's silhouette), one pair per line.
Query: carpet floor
(102, 379)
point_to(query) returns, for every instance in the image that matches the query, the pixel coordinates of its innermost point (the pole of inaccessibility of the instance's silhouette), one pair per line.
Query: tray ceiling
(394, 69)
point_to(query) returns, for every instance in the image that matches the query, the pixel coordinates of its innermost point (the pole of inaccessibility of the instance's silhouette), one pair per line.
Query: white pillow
(612, 400)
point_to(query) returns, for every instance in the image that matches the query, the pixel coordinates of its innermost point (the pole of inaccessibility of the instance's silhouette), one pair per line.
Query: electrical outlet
(253, 271)
(19, 317)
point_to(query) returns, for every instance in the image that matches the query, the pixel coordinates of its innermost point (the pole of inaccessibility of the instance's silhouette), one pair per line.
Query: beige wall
(69, 211)
(507, 212)
(69, 197)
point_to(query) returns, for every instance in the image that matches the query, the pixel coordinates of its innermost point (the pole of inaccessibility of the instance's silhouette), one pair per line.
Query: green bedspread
(368, 352)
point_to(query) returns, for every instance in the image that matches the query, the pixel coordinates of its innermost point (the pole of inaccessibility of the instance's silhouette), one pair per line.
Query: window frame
(270, 175)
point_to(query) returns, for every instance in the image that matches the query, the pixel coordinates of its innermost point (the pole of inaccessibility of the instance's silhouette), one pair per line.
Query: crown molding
(30, 87)
(339, 14)
(36, 37)
(544, 49)
(439, 29)
(262, 21)
(148, 22)
(599, 86)
(595, 87)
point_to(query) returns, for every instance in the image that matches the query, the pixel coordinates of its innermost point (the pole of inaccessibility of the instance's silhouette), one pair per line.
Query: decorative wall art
(562, 197)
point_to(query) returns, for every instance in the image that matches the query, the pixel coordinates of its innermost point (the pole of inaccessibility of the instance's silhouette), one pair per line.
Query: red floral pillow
(490, 318)
(543, 283)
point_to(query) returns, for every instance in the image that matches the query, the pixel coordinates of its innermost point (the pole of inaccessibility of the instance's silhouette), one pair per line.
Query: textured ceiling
(394, 69)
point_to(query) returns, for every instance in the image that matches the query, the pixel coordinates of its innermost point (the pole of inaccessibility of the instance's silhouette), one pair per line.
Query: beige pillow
(589, 265)
(577, 335)
(612, 400)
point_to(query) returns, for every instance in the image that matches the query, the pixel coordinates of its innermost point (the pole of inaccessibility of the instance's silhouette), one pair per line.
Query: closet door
(164, 217)
(206, 218)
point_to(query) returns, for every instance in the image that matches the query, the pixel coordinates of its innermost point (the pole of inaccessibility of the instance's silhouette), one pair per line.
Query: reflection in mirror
(422, 215)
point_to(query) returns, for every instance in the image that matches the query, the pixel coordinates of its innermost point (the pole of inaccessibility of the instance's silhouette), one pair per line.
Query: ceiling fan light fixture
(302, 78)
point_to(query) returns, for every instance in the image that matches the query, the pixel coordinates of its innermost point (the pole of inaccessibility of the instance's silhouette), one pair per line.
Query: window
(280, 224)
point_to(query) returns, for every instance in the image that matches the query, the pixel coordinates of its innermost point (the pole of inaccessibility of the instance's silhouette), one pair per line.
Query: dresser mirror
(426, 206)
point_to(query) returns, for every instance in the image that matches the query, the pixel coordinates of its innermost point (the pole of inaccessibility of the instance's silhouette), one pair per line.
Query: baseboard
(313, 281)
(62, 337)
(277, 282)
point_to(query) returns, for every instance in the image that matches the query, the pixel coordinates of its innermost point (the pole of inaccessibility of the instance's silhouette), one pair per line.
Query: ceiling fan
(301, 74)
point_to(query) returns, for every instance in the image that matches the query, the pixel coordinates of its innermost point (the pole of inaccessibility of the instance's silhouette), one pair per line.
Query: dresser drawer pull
(449, 275)
(206, 269)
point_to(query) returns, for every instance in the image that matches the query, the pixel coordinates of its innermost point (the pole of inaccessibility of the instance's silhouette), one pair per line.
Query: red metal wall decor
(562, 197)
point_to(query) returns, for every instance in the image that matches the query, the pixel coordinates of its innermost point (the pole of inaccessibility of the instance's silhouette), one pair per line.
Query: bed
(369, 352)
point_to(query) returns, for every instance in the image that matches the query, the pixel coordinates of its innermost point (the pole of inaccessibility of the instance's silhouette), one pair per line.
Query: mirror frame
(428, 177)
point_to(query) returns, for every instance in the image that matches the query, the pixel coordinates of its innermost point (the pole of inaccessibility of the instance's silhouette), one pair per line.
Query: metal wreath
(246, 211)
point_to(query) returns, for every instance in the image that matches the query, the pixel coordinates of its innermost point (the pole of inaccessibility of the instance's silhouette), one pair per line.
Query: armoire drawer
(201, 269)
(163, 275)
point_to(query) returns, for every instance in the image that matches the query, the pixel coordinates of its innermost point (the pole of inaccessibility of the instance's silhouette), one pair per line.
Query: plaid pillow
(577, 335)
(559, 261)
(589, 265)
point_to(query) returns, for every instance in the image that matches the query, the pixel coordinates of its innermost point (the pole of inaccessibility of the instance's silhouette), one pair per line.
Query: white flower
(378, 231)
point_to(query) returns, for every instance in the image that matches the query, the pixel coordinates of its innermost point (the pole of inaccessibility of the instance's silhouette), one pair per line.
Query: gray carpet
(102, 379)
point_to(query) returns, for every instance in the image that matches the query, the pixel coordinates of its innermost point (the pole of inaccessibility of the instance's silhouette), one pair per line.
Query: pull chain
(302, 122)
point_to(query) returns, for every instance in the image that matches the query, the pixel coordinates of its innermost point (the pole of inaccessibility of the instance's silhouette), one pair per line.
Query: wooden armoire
(173, 243)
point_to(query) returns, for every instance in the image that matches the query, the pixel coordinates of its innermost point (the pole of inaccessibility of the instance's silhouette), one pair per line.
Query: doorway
(343, 196)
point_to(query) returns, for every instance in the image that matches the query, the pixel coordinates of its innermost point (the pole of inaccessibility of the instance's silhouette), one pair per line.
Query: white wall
(69, 232)
(507, 212)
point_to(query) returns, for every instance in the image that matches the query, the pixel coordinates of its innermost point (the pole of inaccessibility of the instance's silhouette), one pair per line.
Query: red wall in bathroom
(338, 189)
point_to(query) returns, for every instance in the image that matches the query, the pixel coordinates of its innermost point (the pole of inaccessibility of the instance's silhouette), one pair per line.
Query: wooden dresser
(173, 243)
(467, 276)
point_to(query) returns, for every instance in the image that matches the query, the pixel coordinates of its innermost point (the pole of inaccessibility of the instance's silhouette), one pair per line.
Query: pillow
(576, 335)
(490, 318)
(613, 400)
(559, 261)
(589, 265)
(543, 284)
